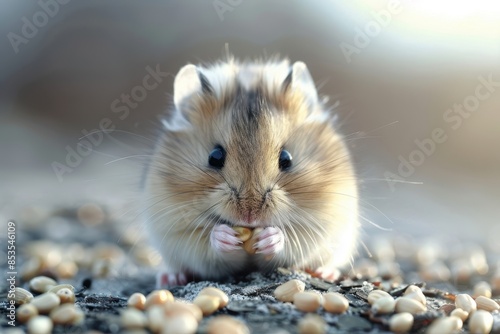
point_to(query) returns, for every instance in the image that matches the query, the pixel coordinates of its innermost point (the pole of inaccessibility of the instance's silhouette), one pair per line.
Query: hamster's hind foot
(223, 239)
(271, 241)
(167, 279)
(328, 273)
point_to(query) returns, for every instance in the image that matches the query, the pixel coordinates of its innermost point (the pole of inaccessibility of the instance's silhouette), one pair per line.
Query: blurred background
(418, 84)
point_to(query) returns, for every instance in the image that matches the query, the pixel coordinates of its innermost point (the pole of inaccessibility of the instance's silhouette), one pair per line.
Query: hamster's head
(251, 145)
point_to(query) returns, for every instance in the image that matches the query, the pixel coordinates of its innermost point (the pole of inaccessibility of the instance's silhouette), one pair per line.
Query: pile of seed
(406, 285)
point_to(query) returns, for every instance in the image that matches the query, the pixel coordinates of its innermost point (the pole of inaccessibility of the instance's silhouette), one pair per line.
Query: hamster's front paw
(271, 241)
(223, 239)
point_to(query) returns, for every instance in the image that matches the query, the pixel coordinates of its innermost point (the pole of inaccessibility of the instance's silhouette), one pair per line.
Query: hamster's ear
(188, 81)
(299, 78)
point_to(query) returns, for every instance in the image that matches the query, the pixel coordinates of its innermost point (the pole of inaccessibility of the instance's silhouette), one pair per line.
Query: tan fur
(315, 203)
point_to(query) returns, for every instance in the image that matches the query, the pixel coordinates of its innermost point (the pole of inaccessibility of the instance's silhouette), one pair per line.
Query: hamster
(250, 144)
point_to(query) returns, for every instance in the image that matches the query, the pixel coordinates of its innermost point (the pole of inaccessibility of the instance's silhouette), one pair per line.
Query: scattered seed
(183, 323)
(211, 291)
(377, 294)
(64, 314)
(207, 303)
(482, 289)
(46, 302)
(414, 292)
(465, 302)
(66, 269)
(312, 324)
(307, 301)
(174, 308)
(90, 214)
(132, 318)
(66, 295)
(159, 297)
(409, 305)
(480, 322)
(22, 296)
(401, 322)
(137, 300)
(444, 325)
(155, 315)
(25, 312)
(459, 313)
(384, 305)
(101, 268)
(334, 302)
(41, 284)
(487, 304)
(29, 269)
(40, 325)
(227, 325)
(286, 291)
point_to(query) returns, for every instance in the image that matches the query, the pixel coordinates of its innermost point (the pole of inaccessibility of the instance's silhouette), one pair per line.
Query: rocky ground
(106, 261)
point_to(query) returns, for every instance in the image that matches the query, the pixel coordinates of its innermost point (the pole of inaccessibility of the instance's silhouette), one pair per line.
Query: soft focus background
(396, 67)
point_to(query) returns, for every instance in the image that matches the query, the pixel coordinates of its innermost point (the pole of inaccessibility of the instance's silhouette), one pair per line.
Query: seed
(409, 305)
(183, 323)
(211, 291)
(227, 325)
(158, 297)
(155, 315)
(286, 291)
(334, 302)
(458, 322)
(132, 318)
(365, 268)
(177, 307)
(79, 317)
(101, 268)
(40, 325)
(30, 268)
(487, 304)
(243, 233)
(22, 296)
(67, 269)
(137, 300)
(146, 255)
(376, 294)
(401, 322)
(58, 287)
(42, 284)
(312, 324)
(208, 304)
(384, 305)
(444, 325)
(414, 292)
(482, 289)
(248, 245)
(495, 281)
(46, 302)
(459, 313)
(465, 302)
(307, 301)
(64, 314)
(26, 312)
(90, 214)
(66, 295)
(480, 322)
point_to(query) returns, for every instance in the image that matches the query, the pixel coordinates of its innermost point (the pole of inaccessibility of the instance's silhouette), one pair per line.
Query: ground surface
(113, 262)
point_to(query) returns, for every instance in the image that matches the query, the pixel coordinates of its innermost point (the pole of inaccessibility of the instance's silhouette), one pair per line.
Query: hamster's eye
(217, 157)
(285, 161)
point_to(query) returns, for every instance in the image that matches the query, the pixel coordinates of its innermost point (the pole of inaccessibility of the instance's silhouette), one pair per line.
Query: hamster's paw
(328, 273)
(271, 241)
(223, 239)
(166, 279)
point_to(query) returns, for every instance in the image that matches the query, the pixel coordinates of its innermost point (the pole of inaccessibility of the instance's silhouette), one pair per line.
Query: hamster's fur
(251, 111)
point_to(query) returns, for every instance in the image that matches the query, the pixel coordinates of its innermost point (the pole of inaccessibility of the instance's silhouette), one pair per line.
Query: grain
(183, 323)
(40, 325)
(46, 302)
(175, 308)
(335, 302)
(221, 295)
(487, 304)
(286, 291)
(480, 322)
(65, 295)
(312, 324)
(401, 322)
(243, 233)
(384, 305)
(137, 300)
(444, 325)
(159, 297)
(207, 303)
(25, 312)
(22, 296)
(409, 305)
(227, 325)
(132, 318)
(459, 313)
(482, 289)
(41, 284)
(414, 292)
(376, 294)
(64, 314)
(307, 301)
(465, 302)
(248, 245)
